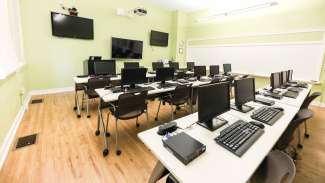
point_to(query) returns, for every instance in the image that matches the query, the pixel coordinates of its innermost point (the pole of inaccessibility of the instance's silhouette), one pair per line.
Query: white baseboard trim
(51, 91)
(318, 104)
(5, 148)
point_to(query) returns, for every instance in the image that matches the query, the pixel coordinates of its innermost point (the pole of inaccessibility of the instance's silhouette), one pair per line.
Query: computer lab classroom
(162, 91)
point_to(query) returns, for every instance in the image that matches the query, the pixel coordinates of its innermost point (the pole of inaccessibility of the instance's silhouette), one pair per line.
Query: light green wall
(52, 61)
(11, 100)
(287, 17)
(180, 34)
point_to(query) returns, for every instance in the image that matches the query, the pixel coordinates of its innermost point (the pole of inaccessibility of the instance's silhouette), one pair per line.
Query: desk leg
(76, 103)
(158, 172)
(191, 102)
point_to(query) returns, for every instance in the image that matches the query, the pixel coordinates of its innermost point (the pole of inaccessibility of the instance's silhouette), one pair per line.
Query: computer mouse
(279, 108)
(260, 125)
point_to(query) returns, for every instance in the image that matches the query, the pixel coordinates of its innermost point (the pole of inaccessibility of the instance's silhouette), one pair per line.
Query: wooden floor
(68, 151)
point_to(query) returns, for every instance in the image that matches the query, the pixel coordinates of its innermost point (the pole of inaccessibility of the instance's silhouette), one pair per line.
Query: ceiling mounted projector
(140, 11)
(132, 12)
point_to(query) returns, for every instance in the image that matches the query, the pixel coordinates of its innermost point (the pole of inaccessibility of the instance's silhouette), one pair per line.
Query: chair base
(75, 108)
(307, 136)
(138, 125)
(300, 146)
(118, 152)
(78, 116)
(105, 152)
(107, 134)
(156, 119)
(97, 132)
(88, 116)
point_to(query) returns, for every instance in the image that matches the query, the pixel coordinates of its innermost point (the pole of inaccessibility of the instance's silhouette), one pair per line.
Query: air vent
(37, 101)
(26, 141)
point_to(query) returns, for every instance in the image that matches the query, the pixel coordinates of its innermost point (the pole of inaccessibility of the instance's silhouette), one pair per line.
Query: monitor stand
(213, 124)
(242, 108)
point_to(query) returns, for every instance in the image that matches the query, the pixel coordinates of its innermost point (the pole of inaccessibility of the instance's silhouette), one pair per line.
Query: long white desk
(218, 164)
(291, 101)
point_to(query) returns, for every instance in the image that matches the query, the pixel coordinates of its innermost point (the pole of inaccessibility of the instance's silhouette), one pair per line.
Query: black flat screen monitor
(200, 71)
(133, 76)
(156, 65)
(158, 38)
(284, 77)
(275, 80)
(105, 67)
(72, 26)
(126, 48)
(190, 66)
(214, 70)
(165, 74)
(130, 65)
(244, 92)
(226, 68)
(290, 72)
(175, 65)
(213, 100)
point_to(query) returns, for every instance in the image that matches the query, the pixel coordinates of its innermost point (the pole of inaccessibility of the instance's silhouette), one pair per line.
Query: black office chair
(306, 113)
(178, 97)
(129, 106)
(284, 142)
(89, 88)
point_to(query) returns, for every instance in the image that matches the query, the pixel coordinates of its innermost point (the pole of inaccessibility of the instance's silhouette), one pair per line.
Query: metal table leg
(158, 172)
(76, 102)
(101, 122)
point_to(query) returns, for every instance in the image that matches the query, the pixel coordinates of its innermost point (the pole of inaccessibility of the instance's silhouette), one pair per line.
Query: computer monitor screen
(226, 68)
(284, 77)
(213, 100)
(175, 65)
(244, 91)
(275, 80)
(164, 74)
(130, 65)
(190, 65)
(290, 72)
(156, 65)
(214, 70)
(132, 76)
(105, 67)
(200, 71)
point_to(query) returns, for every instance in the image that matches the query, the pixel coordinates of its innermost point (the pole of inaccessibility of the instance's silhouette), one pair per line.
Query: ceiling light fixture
(238, 11)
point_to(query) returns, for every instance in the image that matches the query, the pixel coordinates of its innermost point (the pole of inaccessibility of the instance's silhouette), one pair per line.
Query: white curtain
(10, 38)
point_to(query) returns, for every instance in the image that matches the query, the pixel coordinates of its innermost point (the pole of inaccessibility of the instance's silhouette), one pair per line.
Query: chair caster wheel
(300, 146)
(156, 119)
(105, 152)
(307, 136)
(78, 116)
(74, 108)
(118, 152)
(97, 132)
(107, 134)
(137, 125)
(88, 116)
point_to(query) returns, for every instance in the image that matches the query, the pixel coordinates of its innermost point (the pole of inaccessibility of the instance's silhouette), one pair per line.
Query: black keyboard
(291, 94)
(268, 115)
(239, 137)
(295, 89)
(264, 101)
(184, 81)
(191, 79)
(140, 89)
(167, 85)
(273, 95)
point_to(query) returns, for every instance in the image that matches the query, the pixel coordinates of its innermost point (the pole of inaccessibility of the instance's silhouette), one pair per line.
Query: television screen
(158, 38)
(125, 48)
(72, 26)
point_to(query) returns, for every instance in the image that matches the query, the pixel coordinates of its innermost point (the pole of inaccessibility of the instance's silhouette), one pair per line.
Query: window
(11, 54)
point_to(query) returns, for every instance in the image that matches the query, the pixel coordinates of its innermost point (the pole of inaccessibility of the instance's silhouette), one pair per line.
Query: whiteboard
(305, 59)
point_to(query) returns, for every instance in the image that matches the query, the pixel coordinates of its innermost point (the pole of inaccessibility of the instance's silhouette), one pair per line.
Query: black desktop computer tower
(88, 65)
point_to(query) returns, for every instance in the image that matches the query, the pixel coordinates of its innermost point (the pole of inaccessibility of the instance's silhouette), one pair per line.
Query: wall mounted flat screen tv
(72, 26)
(158, 38)
(126, 48)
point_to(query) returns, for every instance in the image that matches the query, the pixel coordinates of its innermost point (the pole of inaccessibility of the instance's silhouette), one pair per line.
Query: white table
(291, 101)
(218, 164)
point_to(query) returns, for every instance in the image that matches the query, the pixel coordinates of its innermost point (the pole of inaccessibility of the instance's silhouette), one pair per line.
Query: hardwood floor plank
(67, 149)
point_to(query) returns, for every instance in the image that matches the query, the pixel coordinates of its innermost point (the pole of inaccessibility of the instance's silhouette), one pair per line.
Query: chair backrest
(131, 102)
(288, 134)
(98, 82)
(309, 99)
(181, 93)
